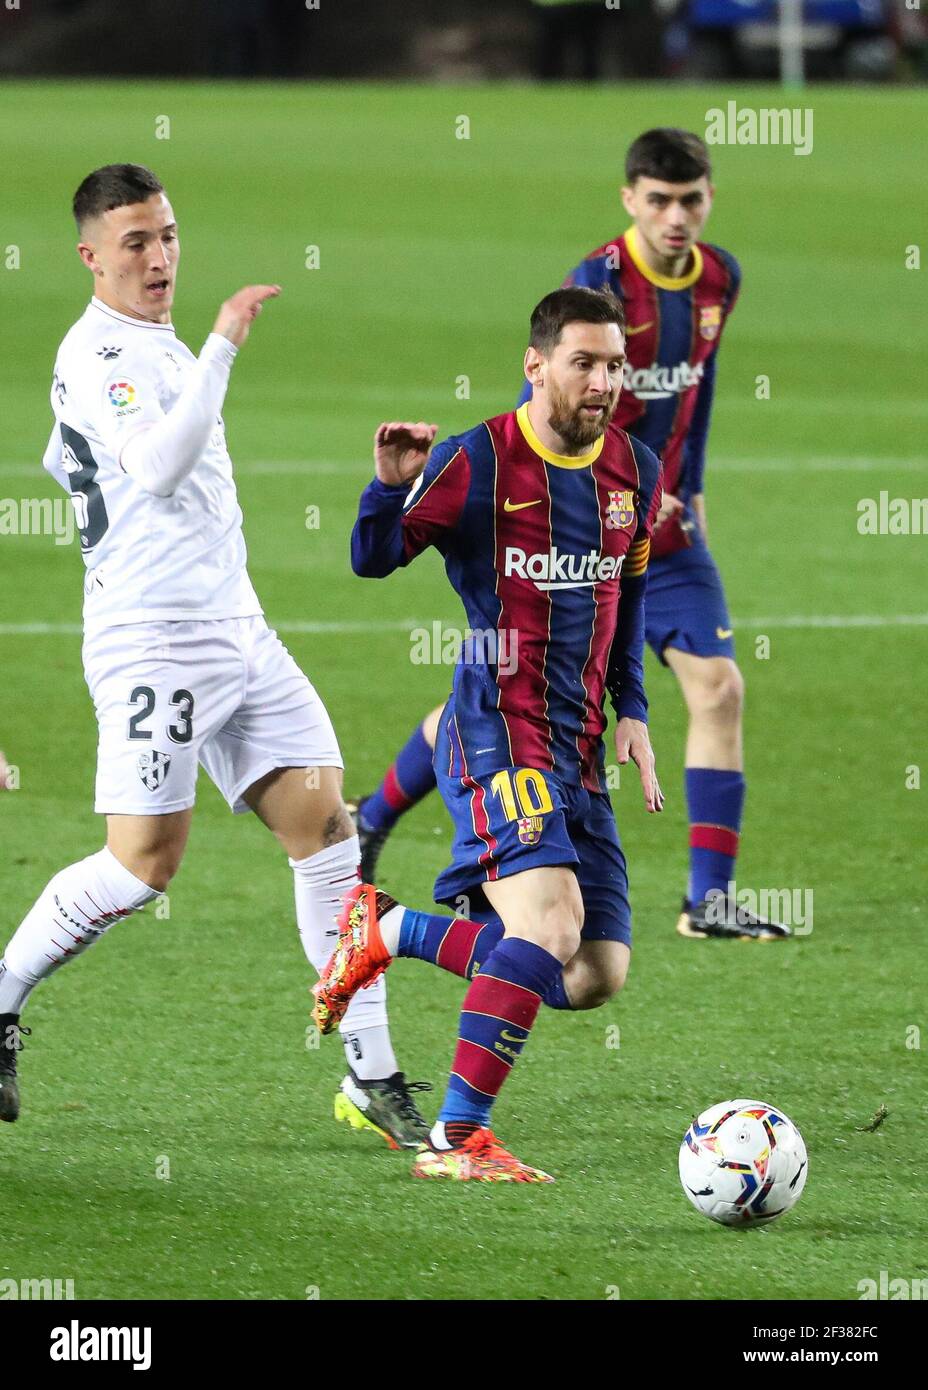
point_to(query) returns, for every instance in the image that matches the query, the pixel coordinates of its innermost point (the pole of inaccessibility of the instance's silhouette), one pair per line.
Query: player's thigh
(511, 845)
(302, 807)
(279, 723)
(596, 973)
(542, 905)
(430, 725)
(159, 689)
(711, 685)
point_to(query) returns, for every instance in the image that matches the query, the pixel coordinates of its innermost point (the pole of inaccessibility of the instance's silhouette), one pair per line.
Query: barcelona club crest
(530, 828)
(153, 768)
(710, 321)
(620, 512)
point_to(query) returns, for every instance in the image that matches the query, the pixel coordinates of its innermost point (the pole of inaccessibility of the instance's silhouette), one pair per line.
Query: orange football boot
(481, 1158)
(359, 958)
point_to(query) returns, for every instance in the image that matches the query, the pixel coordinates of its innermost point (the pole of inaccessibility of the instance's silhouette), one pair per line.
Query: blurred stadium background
(872, 40)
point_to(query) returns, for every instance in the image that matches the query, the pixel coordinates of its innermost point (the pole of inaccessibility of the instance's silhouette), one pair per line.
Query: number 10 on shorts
(525, 794)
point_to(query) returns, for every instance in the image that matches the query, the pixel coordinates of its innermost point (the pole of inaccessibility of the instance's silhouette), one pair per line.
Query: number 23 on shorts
(181, 728)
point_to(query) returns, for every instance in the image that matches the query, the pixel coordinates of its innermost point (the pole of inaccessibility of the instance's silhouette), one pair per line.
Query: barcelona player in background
(544, 517)
(678, 292)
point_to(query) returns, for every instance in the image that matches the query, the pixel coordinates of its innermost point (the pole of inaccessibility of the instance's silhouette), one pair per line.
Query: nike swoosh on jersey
(723, 632)
(630, 332)
(518, 506)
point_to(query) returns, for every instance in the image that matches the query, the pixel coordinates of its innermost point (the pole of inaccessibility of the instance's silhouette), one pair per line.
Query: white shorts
(172, 695)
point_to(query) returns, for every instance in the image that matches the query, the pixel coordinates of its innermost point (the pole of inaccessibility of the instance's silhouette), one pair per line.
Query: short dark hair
(113, 186)
(676, 156)
(572, 305)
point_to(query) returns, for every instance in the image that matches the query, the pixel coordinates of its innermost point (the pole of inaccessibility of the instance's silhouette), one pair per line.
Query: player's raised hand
(401, 450)
(670, 506)
(238, 313)
(632, 740)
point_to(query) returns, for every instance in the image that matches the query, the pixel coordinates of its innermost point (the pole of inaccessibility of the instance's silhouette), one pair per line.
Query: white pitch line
(837, 620)
(816, 464)
(287, 468)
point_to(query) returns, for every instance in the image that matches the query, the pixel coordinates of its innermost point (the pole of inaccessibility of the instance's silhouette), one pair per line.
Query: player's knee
(719, 693)
(337, 826)
(559, 925)
(155, 866)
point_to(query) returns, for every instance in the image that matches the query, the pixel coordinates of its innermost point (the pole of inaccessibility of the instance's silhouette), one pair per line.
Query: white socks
(82, 901)
(320, 882)
(389, 925)
(77, 906)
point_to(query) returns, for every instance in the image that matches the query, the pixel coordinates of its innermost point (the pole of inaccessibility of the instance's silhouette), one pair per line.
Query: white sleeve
(160, 453)
(53, 458)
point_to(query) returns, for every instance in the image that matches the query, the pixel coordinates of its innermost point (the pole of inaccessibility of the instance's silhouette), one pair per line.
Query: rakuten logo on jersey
(553, 569)
(656, 383)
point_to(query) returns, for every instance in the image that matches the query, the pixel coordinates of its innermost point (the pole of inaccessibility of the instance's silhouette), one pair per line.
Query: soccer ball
(743, 1162)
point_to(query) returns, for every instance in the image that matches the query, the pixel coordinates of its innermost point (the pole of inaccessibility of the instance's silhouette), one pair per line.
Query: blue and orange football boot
(359, 958)
(480, 1158)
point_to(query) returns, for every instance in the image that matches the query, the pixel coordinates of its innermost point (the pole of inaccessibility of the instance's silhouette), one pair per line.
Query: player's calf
(75, 909)
(713, 688)
(596, 973)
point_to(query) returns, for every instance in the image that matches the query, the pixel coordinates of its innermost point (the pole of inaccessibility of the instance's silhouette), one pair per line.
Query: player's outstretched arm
(161, 455)
(386, 535)
(401, 451)
(238, 313)
(625, 683)
(625, 671)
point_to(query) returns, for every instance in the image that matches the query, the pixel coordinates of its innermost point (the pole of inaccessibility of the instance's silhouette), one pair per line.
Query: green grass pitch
(185, 1039)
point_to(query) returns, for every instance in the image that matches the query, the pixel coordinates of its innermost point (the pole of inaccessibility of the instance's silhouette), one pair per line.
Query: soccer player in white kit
(181, 665)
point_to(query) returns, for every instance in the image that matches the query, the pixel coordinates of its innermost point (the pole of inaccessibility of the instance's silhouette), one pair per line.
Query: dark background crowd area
(471, 40)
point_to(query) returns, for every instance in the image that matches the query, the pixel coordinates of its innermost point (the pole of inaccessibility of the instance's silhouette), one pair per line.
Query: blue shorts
(521, 818)
(685, 605)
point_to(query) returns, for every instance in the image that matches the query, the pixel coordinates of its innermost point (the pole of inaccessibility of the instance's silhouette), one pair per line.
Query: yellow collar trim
(663, 282)
(559, 460)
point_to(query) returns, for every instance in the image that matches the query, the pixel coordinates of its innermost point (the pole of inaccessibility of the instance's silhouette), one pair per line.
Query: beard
(577, 430)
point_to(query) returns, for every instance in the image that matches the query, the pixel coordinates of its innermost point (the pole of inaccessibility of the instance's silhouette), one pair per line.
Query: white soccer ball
(743, 1162)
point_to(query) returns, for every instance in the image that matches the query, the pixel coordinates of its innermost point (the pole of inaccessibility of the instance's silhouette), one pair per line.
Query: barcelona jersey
(548, 554)
(672, 340)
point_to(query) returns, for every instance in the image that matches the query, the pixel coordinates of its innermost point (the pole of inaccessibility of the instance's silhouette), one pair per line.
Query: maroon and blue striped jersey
(549, 555)
(672, 341)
